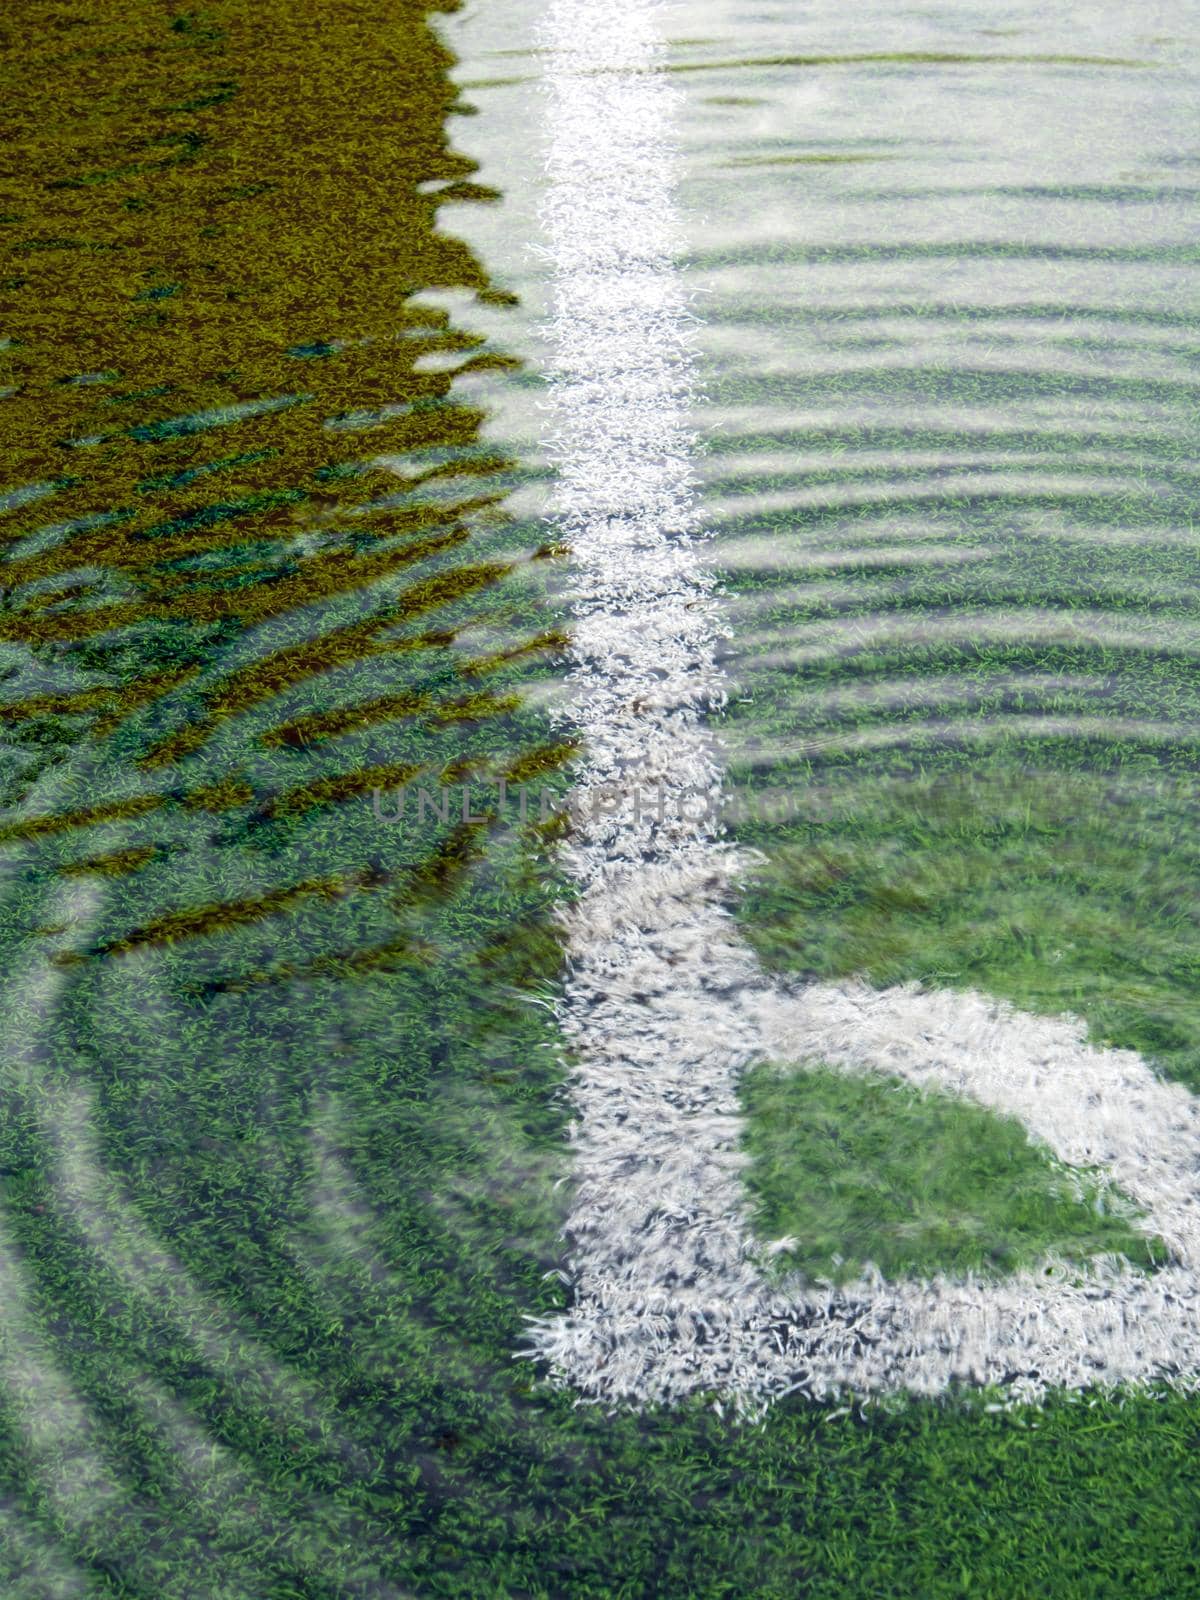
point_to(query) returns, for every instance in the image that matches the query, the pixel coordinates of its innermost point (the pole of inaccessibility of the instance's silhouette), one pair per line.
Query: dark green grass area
(495, 1495)
(1060, 890)
(272, 1241)
(277, 1198)
(856, 1170)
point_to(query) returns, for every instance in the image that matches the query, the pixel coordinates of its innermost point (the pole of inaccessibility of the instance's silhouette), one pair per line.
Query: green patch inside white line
(848, 1169)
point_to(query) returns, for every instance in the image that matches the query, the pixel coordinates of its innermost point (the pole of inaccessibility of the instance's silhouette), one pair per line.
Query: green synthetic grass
(354, 1174)
(280, 1164)
(857, 1170)
(1060, 890)
(1057, 872)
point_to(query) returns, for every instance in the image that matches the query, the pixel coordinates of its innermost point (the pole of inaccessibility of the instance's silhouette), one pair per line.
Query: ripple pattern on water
(960, 409)
(951, 464)
(261, 1035)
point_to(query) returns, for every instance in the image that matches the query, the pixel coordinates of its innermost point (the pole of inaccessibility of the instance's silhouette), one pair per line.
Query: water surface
(280, 1132)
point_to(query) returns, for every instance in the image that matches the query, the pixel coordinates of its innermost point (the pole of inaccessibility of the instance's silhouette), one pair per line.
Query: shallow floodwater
(942, 263)
(283, 1132)
(947, 281)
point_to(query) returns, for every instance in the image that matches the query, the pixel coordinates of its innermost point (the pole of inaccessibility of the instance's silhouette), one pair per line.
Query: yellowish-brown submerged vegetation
(219, 422)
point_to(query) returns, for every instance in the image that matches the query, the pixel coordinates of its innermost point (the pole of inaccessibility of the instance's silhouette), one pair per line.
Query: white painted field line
(664, 1005)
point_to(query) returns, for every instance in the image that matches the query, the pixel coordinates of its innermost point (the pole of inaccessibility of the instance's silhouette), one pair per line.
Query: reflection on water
(270, 1082)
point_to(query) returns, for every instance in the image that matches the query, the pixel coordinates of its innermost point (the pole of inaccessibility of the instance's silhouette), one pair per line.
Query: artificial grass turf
(320, 1399)
(498, 1495)
(278, 1183)
(856, 1170)
(314, 1394)
(1059, 890)
(1053, 866)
